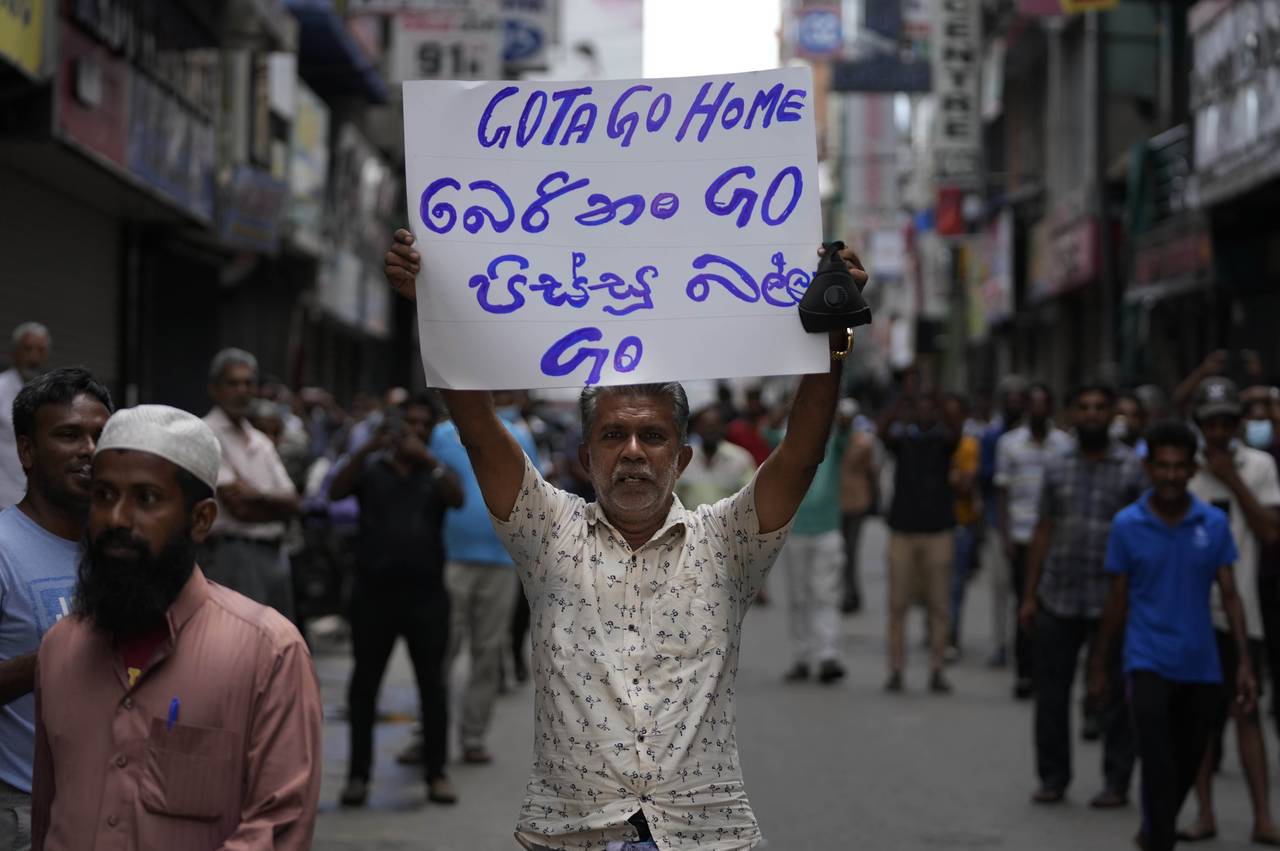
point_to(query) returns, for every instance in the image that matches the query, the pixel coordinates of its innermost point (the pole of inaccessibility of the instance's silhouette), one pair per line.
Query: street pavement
(826, 767)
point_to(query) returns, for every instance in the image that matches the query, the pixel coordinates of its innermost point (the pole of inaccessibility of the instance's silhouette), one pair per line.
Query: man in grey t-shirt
(57, 419)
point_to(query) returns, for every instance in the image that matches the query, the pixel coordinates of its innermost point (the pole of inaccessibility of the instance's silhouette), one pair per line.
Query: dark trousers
(382, 612)
(1269, 598)
(1023, 655)
(1172, 722)
(1058, 644)
(851, 527)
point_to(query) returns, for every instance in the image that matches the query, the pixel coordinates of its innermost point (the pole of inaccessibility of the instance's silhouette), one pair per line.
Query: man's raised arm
(785, 476)
(495, 455)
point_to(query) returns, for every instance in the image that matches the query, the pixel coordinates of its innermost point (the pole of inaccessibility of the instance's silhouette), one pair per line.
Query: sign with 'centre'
(613, 232)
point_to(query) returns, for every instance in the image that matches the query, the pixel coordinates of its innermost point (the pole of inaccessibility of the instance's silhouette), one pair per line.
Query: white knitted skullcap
(176, 436)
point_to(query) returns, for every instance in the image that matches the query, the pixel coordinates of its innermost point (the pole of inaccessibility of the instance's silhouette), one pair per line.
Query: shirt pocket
(686, 625)
(189, 772)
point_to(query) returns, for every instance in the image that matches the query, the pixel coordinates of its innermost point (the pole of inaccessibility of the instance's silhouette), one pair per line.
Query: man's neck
(53, 518)
(640, 534)
(1171, 513)
(1039, 432)
(238, 422)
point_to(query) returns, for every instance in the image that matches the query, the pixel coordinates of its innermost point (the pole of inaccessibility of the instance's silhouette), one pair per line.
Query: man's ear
(584, 457)
(683, 459)
(203, 513)
(26, 452)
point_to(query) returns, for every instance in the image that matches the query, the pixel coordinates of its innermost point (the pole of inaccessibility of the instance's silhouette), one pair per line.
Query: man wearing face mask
(1242, 482)
(1260, 433)
(718, 468)
(31, 343)
(1021, 458)
(1130, 423)
(1084, 488)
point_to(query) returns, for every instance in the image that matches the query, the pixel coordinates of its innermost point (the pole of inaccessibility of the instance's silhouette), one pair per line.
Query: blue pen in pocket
(173, 714)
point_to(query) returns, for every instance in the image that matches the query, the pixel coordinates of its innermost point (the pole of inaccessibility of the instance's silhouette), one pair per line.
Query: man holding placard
(637, 605)
(627, 235)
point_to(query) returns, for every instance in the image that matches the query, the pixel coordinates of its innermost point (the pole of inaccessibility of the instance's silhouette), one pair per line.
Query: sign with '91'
(446, 44)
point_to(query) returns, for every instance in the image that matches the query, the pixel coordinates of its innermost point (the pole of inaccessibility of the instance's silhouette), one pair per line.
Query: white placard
(613, 232)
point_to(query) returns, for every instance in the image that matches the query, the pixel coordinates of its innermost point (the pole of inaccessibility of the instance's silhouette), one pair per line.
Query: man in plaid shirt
(1066, 592)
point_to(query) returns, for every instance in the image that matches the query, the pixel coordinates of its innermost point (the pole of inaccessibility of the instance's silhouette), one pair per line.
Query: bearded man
(1084, 488)
(637, 606)
(170, 712)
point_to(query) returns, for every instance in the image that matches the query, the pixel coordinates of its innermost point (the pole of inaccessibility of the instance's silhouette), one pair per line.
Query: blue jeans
(966, 540)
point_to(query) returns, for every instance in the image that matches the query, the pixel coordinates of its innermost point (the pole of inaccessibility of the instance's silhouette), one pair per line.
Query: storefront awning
(329, 58)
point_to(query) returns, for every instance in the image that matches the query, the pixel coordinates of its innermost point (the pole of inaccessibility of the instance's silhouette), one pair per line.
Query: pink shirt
(250, 457)
(238, 769)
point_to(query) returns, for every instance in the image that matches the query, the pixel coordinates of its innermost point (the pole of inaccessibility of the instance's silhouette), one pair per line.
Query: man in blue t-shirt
(481, 580)
(1165, 552)
(57, 419)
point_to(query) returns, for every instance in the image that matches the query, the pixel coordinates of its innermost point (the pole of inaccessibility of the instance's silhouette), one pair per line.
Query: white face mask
(1259, 434)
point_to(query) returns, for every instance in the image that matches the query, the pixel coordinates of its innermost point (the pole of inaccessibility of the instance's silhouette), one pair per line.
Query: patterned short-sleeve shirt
(635, 653)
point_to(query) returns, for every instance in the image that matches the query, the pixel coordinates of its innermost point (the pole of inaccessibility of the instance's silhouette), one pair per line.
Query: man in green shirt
(812, 562)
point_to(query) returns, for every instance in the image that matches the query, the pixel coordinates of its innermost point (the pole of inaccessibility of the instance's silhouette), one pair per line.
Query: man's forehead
(618, 408)
(134, 466)
(81, 407)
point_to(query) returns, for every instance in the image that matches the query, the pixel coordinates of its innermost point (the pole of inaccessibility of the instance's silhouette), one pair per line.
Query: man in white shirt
(718, 468)
(31, 344)
(1021, 456)
(256, 497)
(637, 607)
(1243, 483)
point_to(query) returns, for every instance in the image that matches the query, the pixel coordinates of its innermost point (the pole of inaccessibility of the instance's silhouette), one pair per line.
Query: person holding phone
(1242, 482)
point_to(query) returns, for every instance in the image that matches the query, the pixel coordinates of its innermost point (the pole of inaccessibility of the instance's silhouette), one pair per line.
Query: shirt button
(128, 703)
(636, 681)
(112, 821)
(122, 761)
(632, 627)
(641, 737)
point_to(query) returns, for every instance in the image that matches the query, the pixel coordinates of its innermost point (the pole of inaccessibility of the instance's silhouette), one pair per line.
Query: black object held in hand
(833, 301)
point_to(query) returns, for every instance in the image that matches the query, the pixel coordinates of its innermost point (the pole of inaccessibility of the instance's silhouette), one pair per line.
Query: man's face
(58, 457)
(710, 426)
(1130, 413)
(1038, 407)
(1093, 413)
(1015, 405)
(270, 426)
(419, 421)
(233, 391)
(1219, 430)
(141, 540)
(30, 354)
(926, 412)
(953, 414)
(1170, 468)
(634, 456)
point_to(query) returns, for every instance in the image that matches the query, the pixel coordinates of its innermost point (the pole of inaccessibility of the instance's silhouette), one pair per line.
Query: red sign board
(93, 95)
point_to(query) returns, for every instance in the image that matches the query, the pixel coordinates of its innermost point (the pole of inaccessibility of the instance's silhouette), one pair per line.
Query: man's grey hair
(31, 328)
(672, 390)
(230, 357)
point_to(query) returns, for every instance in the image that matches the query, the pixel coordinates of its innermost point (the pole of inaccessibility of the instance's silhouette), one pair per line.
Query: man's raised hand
(403, 265)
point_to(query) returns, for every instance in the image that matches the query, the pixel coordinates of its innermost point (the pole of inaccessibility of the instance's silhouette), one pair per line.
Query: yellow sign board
(1072, 6)
(22, 33)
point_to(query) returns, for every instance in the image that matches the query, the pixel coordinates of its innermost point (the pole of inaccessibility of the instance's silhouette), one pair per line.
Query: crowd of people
(1131, 537)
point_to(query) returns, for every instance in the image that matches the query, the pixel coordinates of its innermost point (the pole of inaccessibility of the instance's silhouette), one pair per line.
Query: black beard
(1092, 439)
(130, 596)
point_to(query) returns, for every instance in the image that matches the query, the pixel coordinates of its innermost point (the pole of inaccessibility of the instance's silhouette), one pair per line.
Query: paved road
(826, 767)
